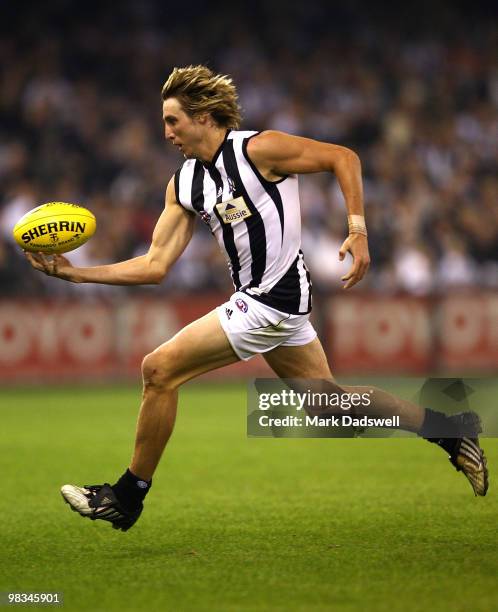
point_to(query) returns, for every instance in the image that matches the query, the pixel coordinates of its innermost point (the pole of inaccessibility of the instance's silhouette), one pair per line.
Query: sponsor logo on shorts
(233, 210)
(241, 305)
(228, 312)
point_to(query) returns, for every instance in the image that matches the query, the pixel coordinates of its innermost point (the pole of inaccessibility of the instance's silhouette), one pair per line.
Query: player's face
(183, 131)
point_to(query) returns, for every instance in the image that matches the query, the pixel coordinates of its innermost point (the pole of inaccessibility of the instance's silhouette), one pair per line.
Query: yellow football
(56, 227)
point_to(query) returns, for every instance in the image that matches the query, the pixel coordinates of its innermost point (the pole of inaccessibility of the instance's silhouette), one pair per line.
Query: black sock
(131, 490)
(440, 429)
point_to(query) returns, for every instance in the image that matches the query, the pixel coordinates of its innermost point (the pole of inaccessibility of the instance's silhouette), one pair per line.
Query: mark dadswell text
(330, 421)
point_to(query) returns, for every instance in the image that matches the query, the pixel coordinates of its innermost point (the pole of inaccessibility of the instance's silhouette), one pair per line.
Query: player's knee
(158, 369)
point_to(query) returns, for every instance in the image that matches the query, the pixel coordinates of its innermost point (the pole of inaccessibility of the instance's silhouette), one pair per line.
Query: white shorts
(253, 327)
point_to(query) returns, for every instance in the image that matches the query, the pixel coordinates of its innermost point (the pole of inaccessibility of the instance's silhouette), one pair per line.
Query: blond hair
(199, 90)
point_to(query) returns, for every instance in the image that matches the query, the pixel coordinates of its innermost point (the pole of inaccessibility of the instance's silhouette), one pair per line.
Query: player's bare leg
(198, 348)
(310, 362)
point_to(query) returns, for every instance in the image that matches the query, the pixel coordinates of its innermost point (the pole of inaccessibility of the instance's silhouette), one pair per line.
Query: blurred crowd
(80, 121)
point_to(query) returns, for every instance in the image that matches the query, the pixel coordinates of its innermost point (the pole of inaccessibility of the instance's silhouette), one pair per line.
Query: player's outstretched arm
(171, 235)
(277, 154)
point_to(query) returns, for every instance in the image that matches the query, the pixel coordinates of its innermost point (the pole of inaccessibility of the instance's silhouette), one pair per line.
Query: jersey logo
(205, 216)
(231, 185)
(233, 210)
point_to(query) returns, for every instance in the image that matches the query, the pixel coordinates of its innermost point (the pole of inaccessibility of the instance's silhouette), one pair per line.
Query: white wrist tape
(357, 225)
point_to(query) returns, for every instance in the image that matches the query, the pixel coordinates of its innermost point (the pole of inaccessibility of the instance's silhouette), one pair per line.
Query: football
(56, 227)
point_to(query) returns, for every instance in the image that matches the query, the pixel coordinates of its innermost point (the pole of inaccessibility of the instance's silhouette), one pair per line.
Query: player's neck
(211, 143)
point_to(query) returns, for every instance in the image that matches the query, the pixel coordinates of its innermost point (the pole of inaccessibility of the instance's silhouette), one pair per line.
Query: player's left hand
(357, 245)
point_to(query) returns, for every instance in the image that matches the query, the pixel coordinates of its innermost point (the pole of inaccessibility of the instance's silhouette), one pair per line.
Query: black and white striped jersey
(257, 223)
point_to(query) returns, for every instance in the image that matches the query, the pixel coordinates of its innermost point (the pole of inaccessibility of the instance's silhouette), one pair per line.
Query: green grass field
(234, 523)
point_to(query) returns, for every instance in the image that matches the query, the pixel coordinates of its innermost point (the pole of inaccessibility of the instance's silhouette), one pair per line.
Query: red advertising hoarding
(101, 339)
(95, 340)
(388, 335)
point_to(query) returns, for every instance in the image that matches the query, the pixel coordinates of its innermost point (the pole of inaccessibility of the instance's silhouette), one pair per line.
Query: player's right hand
(357, 245)
(51, 265)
